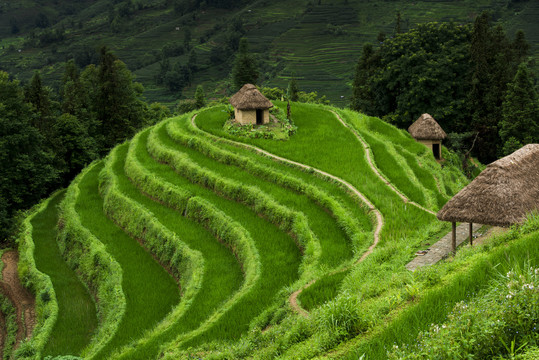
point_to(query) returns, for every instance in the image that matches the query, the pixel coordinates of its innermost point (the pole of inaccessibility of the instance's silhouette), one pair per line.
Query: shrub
(499, 322)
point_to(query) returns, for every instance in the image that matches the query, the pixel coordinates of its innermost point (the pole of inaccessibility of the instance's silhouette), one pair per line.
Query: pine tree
(494, 66)
(245, 69)
(26, 171)
(361, 94)
(39, 97)
(398, 23)
(120, 111)
(520, 123)
(200, 97)
(293, 89)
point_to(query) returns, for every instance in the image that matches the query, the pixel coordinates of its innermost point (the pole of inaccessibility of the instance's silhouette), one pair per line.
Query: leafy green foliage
(422, 70)
(453, 72)
(245, 70)
(118, 107)
(25, 164)
(520, 122)
(501, 321)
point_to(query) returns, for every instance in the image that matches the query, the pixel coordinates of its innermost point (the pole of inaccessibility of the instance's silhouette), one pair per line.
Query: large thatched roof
(249, 98)
(502, 194)
(426, 128)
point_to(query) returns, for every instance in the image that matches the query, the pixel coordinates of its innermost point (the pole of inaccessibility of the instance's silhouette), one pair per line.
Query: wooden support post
(471, 234)
(454, 237)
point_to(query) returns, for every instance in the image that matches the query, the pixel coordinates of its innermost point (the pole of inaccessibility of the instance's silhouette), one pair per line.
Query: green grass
(77, 318)
(472, 270)
(336, 248)
(347, 200)
(279, 255)
(382, 275)
(324, 289)
(149, 290)
(318, 131)
(222, 273)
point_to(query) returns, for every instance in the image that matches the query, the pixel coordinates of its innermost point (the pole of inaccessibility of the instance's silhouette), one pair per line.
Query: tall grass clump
(77, 320)
(185, 264)
(90, 259)
(286, 219)
(225, 230)
(448, 283)
(344, 219)
(38, 283)
(499, 322)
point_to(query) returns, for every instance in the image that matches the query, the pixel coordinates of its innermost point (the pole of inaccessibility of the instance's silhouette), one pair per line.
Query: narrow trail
(3, 334)
(375, 169)
(378, 215)
(21, 298)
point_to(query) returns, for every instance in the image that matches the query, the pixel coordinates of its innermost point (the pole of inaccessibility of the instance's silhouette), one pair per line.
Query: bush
(186, 106)
(499, 322)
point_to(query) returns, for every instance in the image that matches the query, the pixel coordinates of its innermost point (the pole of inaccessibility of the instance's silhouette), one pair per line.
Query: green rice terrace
(187, 242)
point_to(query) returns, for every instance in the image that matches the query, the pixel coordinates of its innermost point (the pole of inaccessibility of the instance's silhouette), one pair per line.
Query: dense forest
(472, 78)
(48, 137)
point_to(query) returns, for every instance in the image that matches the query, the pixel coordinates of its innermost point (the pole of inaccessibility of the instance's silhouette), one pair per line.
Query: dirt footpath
(22, 299)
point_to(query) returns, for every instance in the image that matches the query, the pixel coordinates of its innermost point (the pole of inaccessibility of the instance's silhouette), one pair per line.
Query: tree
(42, 21)
(200, 97)
(520, 122)
(120, 111)
(39, 97)
(26, 171)
(422, 70)
(187, 39)
(245, 69)
(493, 65)
(293, 89)
(361, 94)
(73, 147)
(398, 23)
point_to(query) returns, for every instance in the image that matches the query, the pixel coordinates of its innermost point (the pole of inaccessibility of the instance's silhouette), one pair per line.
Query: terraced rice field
(186, 236)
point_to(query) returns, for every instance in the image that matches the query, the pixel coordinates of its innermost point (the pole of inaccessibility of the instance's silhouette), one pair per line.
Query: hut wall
(245, 117)
(430, 143)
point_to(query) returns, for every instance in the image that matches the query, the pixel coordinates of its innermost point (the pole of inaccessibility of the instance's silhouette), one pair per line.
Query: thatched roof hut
(427, 131)
(426, 128)
(249, 98)
(502, 194)
(250, 106)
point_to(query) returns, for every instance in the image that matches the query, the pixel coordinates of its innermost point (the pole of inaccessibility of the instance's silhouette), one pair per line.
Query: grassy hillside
(193, 243)
(317, 41)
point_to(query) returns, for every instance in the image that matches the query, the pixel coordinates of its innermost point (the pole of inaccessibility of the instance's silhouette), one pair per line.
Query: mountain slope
(317, 42)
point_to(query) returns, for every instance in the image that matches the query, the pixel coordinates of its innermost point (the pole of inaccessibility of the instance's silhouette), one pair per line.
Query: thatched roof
(502, 194)
(249, 98)
(426, 128)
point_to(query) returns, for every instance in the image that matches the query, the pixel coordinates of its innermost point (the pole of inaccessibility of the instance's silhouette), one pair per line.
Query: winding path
(21, 298)
(378, 215)
(375, 169)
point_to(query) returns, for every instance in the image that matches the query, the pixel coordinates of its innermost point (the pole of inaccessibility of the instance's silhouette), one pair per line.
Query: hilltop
(196, 242)
(318, 42)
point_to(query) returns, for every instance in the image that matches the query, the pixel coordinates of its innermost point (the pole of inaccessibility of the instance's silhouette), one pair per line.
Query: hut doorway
(436, 151)
(259, 116)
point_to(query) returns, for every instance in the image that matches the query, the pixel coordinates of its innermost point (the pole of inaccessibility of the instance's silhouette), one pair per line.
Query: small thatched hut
(250, 106)
(427, 131)
(501, 195)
